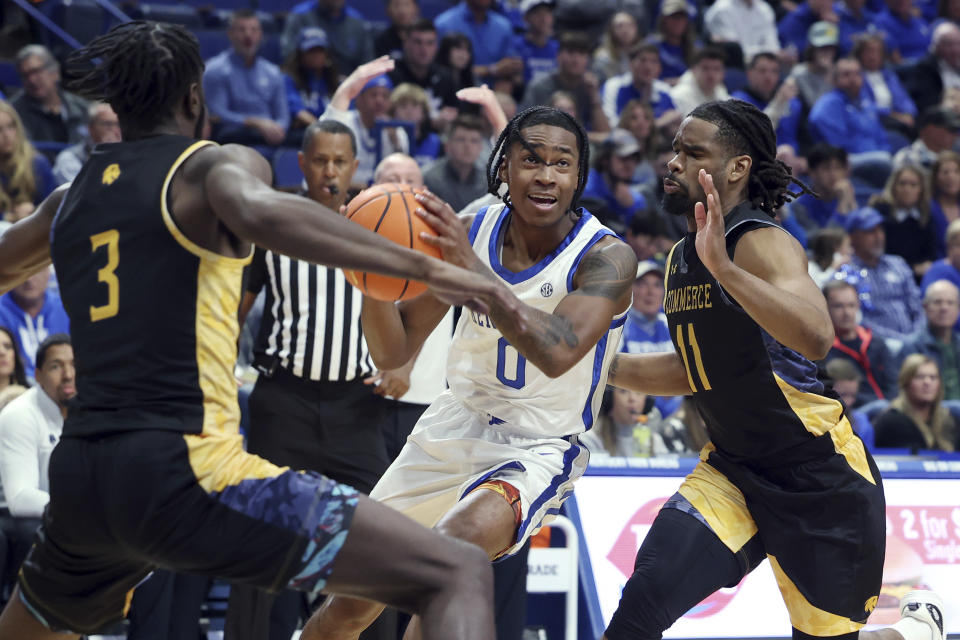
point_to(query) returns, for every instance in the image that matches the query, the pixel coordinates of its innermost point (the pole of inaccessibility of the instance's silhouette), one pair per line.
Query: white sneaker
(925, 606)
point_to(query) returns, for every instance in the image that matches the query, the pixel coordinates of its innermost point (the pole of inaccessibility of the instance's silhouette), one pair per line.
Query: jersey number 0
(107, 275)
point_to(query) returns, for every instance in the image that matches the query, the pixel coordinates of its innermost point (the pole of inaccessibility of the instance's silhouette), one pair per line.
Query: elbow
(819, 346)
(553, 369)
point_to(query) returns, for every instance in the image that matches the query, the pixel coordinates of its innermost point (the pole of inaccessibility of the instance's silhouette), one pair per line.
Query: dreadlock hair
(746, 130)
(511, 134)
(142, 69)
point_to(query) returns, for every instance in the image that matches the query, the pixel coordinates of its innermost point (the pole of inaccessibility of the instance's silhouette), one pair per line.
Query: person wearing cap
(703, 82)
(794, 28)
(572, 76)
(844, 118)
(640, 83)
(892, 307)
(882, 86)
(908, 34)
(676, 37)
(346, 28)
(750, 23)
(646, 330)
(938, 132)
(779, 103)
(244, 91)
(814, 75)
(490, 33)
(926, 79)
(611, 179)
(309, 77)
(369, 87)
(537, 47)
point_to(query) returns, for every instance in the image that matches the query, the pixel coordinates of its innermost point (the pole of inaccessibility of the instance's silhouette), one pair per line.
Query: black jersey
(757, 397)
(153, 316)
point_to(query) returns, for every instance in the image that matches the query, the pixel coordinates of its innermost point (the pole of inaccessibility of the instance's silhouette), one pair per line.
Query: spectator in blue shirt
(905, 31)
(794, 26)
(491, 35)
(245, 93)
(882, 87)
(844, 118)
(346, 28)
(855, 19)
(949, 267)
(780, 104)
(25, 175)
(945, 195)
(611, 180)
(537, 47)
(410, 103)
(402, 15)
(676, 38)
(310, 78)
(33, 311)
(641, 83)
(830, 180)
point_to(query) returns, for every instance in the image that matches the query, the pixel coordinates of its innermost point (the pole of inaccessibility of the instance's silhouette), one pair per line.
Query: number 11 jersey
(488, 374)
(153, 316)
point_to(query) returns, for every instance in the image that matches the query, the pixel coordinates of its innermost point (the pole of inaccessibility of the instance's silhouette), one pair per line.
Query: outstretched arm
(657, 374)
(25, 246)
(768, 277)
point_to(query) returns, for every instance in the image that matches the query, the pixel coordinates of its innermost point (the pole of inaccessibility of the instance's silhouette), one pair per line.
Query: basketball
(388, 209)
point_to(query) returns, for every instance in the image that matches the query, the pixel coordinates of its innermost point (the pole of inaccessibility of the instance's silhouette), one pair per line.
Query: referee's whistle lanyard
(866, 337)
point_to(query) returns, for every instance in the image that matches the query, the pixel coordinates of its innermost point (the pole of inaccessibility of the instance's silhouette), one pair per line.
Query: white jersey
(488, 375)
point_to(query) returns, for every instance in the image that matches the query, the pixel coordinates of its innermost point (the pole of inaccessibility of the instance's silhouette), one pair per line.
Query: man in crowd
(703, 82)
(102, 126)
(830, 180)
(846, 382)
(458, 177)
(418, 66)
(749, 23)
(33, 311)
(641, 82)
(572, 75)
(537, 47)
(868, 352)
(402, 14)
(611, 180)
(781, 104)
(890, 297)
(245, 92)
(345, 26)
(926, 79)
(49, 113)
(938, 128)
(948, 268)
(938, 338)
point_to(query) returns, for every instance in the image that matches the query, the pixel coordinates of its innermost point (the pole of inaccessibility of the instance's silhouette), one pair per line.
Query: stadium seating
(286, 169)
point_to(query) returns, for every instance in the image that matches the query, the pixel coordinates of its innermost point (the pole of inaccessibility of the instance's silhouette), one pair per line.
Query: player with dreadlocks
(784, 476)
(149, 244)
(497, 453)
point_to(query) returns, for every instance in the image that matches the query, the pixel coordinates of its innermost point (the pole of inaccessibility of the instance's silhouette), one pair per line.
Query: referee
(310, 408)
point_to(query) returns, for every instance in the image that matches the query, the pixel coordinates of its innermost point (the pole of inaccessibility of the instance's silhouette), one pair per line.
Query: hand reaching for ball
(451, 238)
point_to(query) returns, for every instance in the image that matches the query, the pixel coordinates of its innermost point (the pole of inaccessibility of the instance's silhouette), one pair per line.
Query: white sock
(913, 629)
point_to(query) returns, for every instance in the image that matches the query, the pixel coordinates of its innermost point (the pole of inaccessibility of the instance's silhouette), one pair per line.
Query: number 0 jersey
(488, 374)
(153, 316)
(757, 396)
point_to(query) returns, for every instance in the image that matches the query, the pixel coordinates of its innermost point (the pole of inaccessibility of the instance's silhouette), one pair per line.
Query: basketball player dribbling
(784, 477)
(149, 244)
(497, 453)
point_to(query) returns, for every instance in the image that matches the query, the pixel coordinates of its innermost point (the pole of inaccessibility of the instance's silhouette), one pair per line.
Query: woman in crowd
(410, 103)
(905, 207)
(628, 425)
(916, 418)
(637, 118)
(612, 56)
(676, 38)
(945, 195)
(829, 248)
(13, 379)
(310, 77)
(882, 86)
(456, 54)
(25, 175)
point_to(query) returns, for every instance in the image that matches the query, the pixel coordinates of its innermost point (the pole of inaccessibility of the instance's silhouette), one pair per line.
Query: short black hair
(709, 52)
(243, 14)
(575, 41)
(328, 126)
(468, 121)
(511, 134)
(49, 342)
(744, 129)
(823, 152)
(141, 69)
(643, 47)
(423, 24)
(763, 55)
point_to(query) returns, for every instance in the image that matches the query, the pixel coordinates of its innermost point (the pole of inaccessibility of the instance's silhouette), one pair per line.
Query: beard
(679, 203)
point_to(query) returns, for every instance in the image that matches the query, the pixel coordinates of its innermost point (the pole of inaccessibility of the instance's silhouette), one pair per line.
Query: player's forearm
(791, 320)
(658, 374)
(384, 333)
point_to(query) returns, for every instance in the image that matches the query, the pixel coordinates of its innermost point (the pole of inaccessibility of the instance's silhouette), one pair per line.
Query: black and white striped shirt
(311, 319)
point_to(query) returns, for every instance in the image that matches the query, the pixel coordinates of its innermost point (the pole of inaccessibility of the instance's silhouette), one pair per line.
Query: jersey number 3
(107, 275)
(694, 347)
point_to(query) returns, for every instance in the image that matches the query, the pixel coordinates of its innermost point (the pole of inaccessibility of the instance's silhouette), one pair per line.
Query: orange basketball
(388, 209)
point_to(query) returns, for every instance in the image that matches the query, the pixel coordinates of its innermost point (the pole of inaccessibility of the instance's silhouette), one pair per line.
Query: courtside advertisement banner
(923, 550)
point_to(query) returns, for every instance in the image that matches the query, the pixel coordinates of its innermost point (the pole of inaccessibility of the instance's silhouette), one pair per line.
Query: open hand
(391, 383)
(451, 238)
(711, 240)
(364, 74)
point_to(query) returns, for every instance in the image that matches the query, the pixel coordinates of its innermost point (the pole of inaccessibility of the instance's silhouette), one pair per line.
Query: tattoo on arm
(607, 272)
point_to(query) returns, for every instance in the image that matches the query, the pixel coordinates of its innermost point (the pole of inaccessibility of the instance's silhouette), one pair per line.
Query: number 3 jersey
(153, 316)
(488, 374)
(757, 396)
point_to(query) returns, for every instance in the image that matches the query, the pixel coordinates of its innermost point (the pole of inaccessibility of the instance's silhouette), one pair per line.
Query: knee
(487, 535)
(347, 615)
